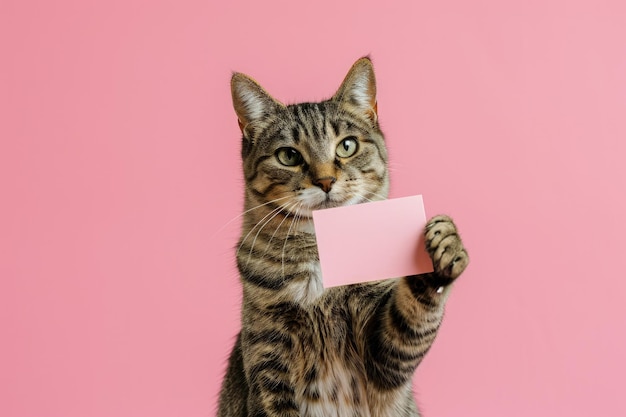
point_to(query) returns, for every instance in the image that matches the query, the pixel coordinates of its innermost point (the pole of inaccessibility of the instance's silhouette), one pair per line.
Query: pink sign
(372, 241)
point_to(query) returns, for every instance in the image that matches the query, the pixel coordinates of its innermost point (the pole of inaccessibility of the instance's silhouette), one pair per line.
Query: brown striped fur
(302, 350)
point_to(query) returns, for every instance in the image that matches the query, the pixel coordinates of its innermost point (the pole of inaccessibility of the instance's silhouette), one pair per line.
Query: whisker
(248, 211)
(380, 196)
(299, 203)
(278, 227)
(363, 197)
(282, 208)
(277, 209)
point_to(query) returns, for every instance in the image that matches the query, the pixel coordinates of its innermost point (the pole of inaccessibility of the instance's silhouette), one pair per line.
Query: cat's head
(309, 156)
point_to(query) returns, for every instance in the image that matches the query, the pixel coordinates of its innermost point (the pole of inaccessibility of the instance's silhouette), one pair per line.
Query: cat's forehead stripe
(295, 134)
(310, 115)
(335, 126)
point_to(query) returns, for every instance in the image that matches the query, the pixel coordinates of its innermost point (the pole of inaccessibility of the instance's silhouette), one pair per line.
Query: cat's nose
(325, 183)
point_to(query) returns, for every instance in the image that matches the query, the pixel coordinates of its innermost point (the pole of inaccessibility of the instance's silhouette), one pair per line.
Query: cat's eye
(289, 157)
(347, 147)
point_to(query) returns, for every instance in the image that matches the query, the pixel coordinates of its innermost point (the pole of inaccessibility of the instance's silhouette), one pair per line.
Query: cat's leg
(269, 370)
(234, 392)
(405, 324)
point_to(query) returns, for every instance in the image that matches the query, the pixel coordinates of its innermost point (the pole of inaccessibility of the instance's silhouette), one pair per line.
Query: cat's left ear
(251, 101)
(358, 89)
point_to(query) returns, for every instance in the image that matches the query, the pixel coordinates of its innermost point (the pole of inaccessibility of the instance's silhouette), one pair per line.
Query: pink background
(119, 177)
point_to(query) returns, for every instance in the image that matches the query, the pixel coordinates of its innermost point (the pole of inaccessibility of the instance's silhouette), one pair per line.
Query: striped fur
(304, 351)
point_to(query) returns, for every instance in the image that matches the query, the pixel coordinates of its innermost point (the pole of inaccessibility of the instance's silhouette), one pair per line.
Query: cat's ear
(250, 100)
(358, 90)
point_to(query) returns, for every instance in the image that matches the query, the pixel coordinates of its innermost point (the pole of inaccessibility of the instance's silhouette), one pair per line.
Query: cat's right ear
(250, 100)
(358, 90)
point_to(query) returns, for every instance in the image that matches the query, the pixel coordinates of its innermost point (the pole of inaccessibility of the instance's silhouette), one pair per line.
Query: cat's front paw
(445, 248)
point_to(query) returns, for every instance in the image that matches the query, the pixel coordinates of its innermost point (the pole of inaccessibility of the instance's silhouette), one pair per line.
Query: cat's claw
(445, 247)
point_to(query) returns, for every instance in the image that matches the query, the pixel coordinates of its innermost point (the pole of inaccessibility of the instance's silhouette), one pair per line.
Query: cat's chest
(335, 392)
(307, 291)
(340, 385)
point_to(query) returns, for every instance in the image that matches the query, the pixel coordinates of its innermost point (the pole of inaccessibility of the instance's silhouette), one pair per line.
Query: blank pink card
(372, 241)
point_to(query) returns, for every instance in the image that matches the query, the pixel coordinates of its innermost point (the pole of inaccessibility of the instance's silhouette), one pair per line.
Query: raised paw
(445, 248)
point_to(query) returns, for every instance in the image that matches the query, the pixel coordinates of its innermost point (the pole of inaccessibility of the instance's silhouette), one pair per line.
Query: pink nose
(325, 183)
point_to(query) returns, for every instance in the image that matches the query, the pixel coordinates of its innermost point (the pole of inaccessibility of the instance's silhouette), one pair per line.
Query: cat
(304, 350)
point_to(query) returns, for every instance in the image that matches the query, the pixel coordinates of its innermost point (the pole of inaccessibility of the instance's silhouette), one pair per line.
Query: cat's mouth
(312, 199)
(328, 204)
(307, 209)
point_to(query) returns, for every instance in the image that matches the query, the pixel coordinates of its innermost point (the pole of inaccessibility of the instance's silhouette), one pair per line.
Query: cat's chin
(307, 210)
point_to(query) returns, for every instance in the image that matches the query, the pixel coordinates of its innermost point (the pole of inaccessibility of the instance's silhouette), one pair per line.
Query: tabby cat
(302, 350)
